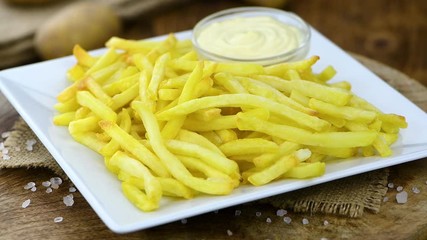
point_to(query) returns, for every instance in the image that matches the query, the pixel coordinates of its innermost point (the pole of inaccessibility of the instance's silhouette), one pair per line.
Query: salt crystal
(402, 197)
(325, 223)
(305, 221)
(48, 190)
(68, 200)
(72, 189)
(415, 190)
(229, 232)
(33, 189)
(268, 220)
(58, 219)
(400, 188)
(6, 157)
(54, 186)
(5, 151)
(30, 142)
(26, 203)
(258, 214)
(281, 212)
(385, 199)
(29, 185)
(46, 184)
(323, 238)
(29, 148)
(287, 220)
(56, 180)
(1, 146)
(184, 221)
(237, 212)
(390, 185)
(5, 134)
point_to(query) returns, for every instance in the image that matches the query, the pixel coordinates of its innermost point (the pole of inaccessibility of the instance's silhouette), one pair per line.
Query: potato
(269, 3)
(88, 24)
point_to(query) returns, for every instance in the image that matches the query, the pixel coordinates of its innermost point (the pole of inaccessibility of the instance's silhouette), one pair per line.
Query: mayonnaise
(249, 38)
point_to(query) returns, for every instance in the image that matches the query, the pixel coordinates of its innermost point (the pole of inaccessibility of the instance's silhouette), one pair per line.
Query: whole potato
(85, 23)
(269, 3)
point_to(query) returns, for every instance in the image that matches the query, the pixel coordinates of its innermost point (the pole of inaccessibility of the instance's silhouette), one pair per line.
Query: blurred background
(393, 32)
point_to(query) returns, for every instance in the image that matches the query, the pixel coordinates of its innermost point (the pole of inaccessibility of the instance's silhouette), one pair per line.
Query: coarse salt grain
(29, 148)
(184, 221)
(56, 180)
(5, 134)
(305, 221)
(46, 184)
(1, 146)
(402, 197)
(58, 219)
(287, 220)
(33, 189)
(26, 203)
(30, 142)
(6, 157)
(72, 189)
(325, 223)
(237, 212)
(68, 200)
(5, 151)
(229, 232)
(258, 214)
(54, 186)
(48, 190)
(399, 188)
(29, 185)
(415, 190)
(385, 199)
(281, 212)
(390, 185)
(268, 220)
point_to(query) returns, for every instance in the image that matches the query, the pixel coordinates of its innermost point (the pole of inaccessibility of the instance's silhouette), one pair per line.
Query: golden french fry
(321, 92)
(344, 112)
(176, 168)
(86, 99)
(248, 146)
(247, 100)
(132, 145)
(64, 119)
(306, 170)
(301, 136)
(274, 171)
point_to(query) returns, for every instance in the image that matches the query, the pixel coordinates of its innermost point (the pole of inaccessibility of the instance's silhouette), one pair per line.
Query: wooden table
(393, 32)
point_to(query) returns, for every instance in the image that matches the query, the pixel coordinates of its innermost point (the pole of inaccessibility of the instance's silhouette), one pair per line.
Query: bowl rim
(305, 29)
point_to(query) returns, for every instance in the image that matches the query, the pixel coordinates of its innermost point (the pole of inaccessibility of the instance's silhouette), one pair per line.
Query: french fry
(147, 201)
(247, 100)
(132, 145)
(86, 99)
(177, 169)
(301, 136)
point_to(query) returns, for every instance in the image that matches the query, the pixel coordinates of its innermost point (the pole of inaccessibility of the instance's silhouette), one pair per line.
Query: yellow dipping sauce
(249, 38)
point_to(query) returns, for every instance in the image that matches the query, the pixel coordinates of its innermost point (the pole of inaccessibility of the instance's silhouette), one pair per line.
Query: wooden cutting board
(395, 221)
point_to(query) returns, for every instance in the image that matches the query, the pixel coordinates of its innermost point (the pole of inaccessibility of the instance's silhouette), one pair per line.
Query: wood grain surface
(393, 32)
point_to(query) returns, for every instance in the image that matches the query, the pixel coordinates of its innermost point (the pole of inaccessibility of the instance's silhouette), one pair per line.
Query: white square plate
(32, 90)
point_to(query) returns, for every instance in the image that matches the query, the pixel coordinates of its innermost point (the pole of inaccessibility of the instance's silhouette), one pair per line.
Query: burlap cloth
(348, 197)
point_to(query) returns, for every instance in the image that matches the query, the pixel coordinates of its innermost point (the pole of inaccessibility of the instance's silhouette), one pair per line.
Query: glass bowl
(286, 18)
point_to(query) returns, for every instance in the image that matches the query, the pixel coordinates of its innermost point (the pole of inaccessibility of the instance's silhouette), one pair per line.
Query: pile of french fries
(169, 123)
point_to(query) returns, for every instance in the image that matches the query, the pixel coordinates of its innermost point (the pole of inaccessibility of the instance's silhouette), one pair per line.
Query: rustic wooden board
(395, 221)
